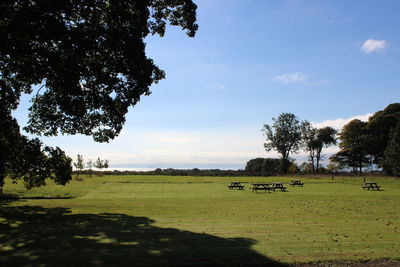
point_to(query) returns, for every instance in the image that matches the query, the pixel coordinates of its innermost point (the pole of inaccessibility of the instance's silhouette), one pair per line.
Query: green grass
(159, 220)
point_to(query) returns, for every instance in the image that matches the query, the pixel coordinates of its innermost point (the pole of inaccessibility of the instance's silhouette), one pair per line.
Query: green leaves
(366, 143)
(34, 164)
(284, 136)
(391, 162)
(89, 56)
(89, 59)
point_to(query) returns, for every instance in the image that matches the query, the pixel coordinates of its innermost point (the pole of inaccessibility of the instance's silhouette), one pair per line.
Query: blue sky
(326, 61)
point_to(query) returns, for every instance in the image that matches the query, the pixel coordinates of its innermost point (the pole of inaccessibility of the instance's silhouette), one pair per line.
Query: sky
(326, 61)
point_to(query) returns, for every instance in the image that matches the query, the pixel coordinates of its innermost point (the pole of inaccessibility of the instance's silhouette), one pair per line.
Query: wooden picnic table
(236, 185)
(371, 185)
(296, 182)
(262, 186)
(278, 186)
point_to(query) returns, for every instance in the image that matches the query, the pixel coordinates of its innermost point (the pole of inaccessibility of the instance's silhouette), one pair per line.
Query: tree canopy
(28, 159)
(314, 140)
(88, 57)
(284, 136)
(391, 162)
(379, 127)
(85, 64)
(367, 143)
(353, 145)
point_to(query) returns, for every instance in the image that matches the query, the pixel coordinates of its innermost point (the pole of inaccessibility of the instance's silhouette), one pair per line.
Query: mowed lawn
(170, 221)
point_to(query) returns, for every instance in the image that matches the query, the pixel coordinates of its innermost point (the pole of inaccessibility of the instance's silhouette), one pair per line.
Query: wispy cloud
(373, 46)
(301, 78)
(294, 77)
(339, 123)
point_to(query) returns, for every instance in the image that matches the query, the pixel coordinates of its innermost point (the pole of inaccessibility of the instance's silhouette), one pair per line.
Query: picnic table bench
(371, 185)
(278, 186)
(236, 185)
(296, 182)
(265, 187)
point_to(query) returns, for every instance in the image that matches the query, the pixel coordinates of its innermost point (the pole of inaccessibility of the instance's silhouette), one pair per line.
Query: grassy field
(170, 221)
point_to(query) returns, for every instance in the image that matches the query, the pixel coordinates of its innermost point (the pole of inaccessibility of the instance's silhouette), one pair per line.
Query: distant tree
(284, 136)
(79, 165)
(379, 127)
(196, 171)
(354, 150)
(314, 140)
(254, 166)
(306, 167)
(334, 167)
(106, 164)
(325, 137)
(101, 164)
(310, 141)
(89, 166)
(391, 162)
(98, 164)
(271, 166)
(264, 166)
(293, 167)
(322, 169)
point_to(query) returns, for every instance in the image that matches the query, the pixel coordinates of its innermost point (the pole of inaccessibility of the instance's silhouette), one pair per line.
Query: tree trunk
(312, 163)
(285, 165)
(2, 174)
(318, 158)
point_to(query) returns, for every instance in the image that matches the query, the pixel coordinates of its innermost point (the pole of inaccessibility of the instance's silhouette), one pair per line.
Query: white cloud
(371, 46)
(295, 77)
(339, 123)
(218, 86)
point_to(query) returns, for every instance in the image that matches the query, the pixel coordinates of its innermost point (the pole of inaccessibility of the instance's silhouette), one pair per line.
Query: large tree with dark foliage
(354, 150)
(391, 161)
(264, 166)
(326, 137)
(284, 136)
(314, 140)
(28, 159)
(367, 143)
(379, 127)
(87, 59)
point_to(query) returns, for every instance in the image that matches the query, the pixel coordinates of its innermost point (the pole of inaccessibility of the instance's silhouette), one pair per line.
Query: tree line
(80, 165)
(286, 135)
(375, 143)
(372, 143)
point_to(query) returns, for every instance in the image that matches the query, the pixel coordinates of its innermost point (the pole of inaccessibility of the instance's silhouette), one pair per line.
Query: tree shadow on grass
(33, 235)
